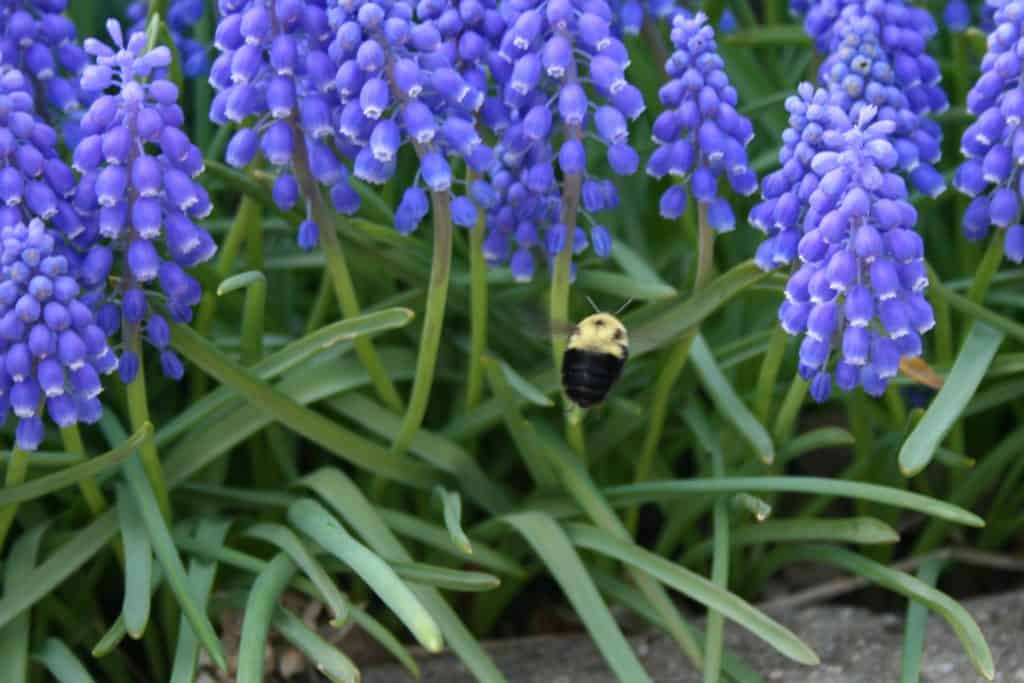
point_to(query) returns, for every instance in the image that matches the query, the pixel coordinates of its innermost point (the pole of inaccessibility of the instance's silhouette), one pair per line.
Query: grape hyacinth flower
(956, 15)
(858, 73)
(994, 144)
(700, 135)
(858, 295)
(903, 32)
(182, 16)
(52, 348)
(143, 202)
(34, 181)
(37, 39)
(542, 113)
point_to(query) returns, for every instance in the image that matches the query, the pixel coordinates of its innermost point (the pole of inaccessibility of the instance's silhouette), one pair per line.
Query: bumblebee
(594, 357)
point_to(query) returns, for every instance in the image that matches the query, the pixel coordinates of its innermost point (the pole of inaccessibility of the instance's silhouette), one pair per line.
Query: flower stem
(337, 266)
(988, 267)
(559, 301)
(247, 222)
(477, 310)
(17, 467)
(676, 360)
(719, 573)
(433, 323)
(769, 373)
(138, 414)
(90, 490)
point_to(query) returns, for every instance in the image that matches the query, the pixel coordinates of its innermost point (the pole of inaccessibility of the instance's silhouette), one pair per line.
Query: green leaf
(729, 405)
(201, 575)
(289, 543)
(672, 322)
(347, 445)
(338, 491)
(438, 538)
(138, 564)
(333, 336)
(14, 636)
(917, 620)
(62, 663)
(637, 268)
(974, 310)
(240, 281)
(442, 577)
(697, 588)
(76, 473)
(321, 526)
(671, 490)
(863, 530)
(552, 546)
(167, 554)
(452, 508)
(900, 582)
(961, 383)
(62, 563)
(110, 640)
(815, 440)
(765, 36)
(330, 661)
(259, 609)
(522, 386)
(624, 286)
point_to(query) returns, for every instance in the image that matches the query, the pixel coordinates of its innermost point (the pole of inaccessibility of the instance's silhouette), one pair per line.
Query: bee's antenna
(623, 306)
(593, 305)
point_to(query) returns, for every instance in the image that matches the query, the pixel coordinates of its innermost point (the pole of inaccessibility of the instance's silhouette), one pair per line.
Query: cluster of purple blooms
(700, 135)
(876, 70)
(182, 16)
(52, 348)
(542, 114)
(859, 290)
(994, 144)
(138, 189)
(38, 40)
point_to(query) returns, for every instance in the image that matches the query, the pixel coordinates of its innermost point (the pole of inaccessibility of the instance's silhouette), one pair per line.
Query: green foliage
(289, 466)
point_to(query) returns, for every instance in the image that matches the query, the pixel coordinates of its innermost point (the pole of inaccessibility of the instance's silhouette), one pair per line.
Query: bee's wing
(922, 373)
(538, 325)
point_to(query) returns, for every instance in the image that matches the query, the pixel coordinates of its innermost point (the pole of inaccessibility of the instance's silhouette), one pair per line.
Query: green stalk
(719, 575)
(769, 374)
(321, 305)
(94, 498)
(138, 414)
(790, 409)
(433, 323)
(988, 267)
(559, 301)
(337, 266)
(247, 222)
(17, 467)
(675, 362)
(477, 310)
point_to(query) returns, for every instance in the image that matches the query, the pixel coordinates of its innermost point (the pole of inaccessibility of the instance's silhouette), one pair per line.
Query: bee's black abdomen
(588, 376)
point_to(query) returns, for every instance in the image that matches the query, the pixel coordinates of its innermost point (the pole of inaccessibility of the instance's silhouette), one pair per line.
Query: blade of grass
(138, 567)
(917, 619)
(552, 546)
(451, 504)
(62, 664)
(728, 402)
(329, 660)
(76, 473)
(697, 588)
(287, 542)
(201, 575)
(900, 582)
(110, 640)
(317, 523)
(14, 636)
(969, 369)
(442, 577)
(259, 609)
(669, 490)
(338, 491)
(315, 427)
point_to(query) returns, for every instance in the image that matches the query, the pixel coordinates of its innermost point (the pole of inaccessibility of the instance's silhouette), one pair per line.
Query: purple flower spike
(138, 186)
(701, 137)
(839, 206)
(52, 348)
(994, 144)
